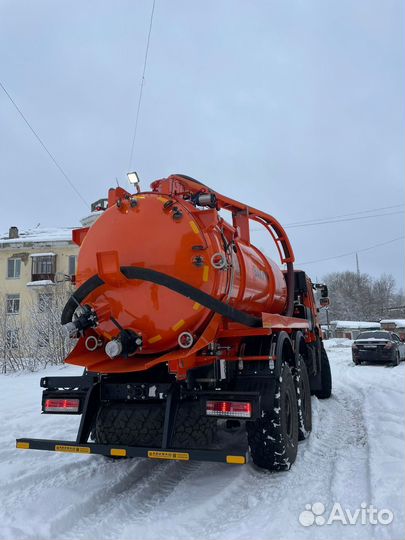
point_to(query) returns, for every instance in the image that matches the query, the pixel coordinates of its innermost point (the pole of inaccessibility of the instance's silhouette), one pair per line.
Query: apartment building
(30, 263)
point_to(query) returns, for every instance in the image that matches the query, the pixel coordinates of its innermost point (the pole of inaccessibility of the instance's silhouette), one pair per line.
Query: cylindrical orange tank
(169, 234)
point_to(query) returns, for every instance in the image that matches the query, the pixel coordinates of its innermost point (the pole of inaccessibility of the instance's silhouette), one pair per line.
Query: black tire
(326, 377)
(397, 360)
(192, 429)
(304, 406)
(273, 438)
(130, 424)
(142, 425)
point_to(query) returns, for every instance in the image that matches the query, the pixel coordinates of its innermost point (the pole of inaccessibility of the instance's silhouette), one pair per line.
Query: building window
(12, 339)
(13, 304)
(44, 301)
(43, 267)
(72, 265)
(14, 268)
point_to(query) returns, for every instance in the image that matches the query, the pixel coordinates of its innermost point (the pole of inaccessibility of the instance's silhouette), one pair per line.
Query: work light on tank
(133, 179)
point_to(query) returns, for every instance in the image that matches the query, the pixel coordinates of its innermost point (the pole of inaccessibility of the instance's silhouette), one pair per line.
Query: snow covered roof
(355, 325)
(48, 254)
(88, 221)
(48, 234)
(399, 323)
(40, 283)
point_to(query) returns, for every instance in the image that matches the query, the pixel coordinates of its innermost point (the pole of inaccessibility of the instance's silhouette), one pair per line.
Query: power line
(345, 215)
(343, 220)
(141, 87)
(353, 252)
(69, 181)
(325, 222)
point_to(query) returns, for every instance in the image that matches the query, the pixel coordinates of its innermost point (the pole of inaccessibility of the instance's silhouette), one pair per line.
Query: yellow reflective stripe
(162, 199)
(178, 325)
(205, 273)
(154, 339)
(196, 306)
(182, 456)
(240, 460)
(193, 225)
(24, 445)
(118, 452)
(72, 449)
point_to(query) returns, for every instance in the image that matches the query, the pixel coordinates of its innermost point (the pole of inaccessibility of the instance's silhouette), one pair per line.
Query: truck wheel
(303, 391)
(326, 377)
(192, 429)
(130, 424)
(273, 438)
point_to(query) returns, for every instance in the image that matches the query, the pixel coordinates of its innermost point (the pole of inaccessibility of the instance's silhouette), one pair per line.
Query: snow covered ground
(354, 455)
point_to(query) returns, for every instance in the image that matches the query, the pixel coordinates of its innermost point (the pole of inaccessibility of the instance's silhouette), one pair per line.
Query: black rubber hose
(145, 274)
(79, 296)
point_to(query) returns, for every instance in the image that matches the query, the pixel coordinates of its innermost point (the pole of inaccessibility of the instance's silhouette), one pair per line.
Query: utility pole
(357, 267)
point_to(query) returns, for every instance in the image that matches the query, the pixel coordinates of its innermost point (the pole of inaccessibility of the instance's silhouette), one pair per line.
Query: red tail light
(240, 409)
(62, 405)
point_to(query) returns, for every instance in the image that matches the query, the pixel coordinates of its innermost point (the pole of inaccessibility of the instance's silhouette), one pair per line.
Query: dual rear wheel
(273, 438)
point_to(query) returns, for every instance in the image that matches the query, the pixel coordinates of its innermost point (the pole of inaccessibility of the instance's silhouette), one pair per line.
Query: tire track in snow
(41, 477)
(145, 488)
(66, 483)
(351, 478)
(313, 478)
(240, 493)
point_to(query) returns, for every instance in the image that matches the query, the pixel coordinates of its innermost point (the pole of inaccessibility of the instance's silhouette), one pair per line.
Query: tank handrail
(275, 228)
(241, 213)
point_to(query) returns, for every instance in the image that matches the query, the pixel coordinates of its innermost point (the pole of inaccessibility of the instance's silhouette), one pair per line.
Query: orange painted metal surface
(164, 231)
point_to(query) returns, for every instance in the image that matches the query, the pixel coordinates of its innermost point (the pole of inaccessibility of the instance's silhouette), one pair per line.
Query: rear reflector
(239, 409)
(239, 460)
(62, 405)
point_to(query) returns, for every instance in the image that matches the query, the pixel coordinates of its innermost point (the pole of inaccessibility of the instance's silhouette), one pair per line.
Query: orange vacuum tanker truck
(194, 344)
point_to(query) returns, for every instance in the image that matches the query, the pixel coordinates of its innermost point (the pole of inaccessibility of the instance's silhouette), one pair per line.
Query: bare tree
(36, 340)
(361, 297)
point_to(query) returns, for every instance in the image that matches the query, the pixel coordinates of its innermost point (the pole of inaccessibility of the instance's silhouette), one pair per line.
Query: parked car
(378, 346)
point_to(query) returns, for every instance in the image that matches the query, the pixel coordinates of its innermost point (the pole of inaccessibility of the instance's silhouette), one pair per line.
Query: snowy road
(354, 455)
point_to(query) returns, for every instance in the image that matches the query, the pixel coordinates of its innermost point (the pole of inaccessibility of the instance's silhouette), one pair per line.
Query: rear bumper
(222, 456)
(371, 355)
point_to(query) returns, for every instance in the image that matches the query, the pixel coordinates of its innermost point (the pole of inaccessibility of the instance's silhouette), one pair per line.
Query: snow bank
(337, 342)
(355, 325)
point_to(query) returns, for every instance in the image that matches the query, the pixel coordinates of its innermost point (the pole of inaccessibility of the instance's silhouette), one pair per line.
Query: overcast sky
(295, 107)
